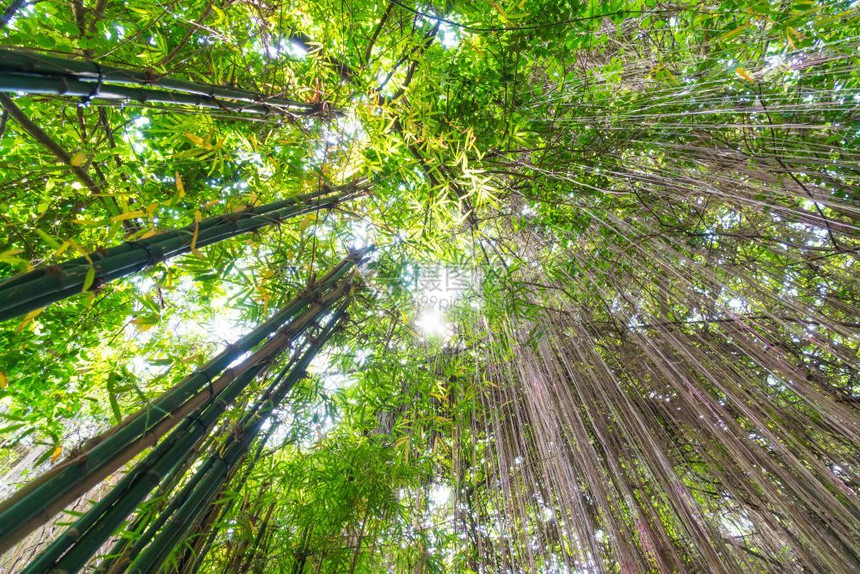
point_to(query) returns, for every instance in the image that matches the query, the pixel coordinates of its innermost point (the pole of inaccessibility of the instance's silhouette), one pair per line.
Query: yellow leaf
(61, 249)
(221, 16)
(732, 34)
(55, 456)
(143, 324)
(402, 442)
(307, 221)
(80, 250)
(180, 186)
(745, 75)
(128, 215)
(196, 140)
(28, 318)
(4, 381)
(197, 217)
(78, 159)
(8, 256)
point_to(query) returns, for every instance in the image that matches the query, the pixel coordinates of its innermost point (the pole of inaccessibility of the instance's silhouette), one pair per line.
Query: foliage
(653, 365)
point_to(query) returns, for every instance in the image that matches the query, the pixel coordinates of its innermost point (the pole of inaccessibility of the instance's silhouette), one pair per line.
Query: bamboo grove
(385, 286)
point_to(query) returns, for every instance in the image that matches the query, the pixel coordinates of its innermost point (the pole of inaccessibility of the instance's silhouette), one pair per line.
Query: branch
(10, 11)
(62, 155)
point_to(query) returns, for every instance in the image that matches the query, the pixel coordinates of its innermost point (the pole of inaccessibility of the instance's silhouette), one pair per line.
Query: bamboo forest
(429, 286)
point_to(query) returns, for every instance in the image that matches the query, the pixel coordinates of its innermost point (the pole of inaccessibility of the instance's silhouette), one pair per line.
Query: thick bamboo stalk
(97, 75)
(77, 544)
(215, 474)
(125, 550)
(35, 289)
(50, 493)
(15, 83)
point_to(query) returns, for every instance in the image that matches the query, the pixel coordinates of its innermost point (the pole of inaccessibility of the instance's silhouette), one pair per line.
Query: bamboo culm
(21, 70)
(36, 289)
(77, 544)
(119, 556)
(217, 467)
(33, 505)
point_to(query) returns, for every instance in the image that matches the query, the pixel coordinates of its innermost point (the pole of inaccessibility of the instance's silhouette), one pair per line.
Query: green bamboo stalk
(97, 75)
(195, 555)
(15, 83)
(33, 505)
(121, 553)
(219, 464)
(126, 549)
(142, 520)
(345, 191)
(75, 546)
(35, 289)
(198, 554)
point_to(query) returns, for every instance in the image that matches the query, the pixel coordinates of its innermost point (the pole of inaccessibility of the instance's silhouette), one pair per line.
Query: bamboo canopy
(608, 322)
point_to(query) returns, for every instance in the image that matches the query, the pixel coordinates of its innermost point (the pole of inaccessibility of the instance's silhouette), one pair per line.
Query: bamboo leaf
(745, 75)
(89, 279)
(79, 158)
(129, 215)
(195, 139)
(307, 221)
(180, 187)
(52, 243)
(114, 403)
(197, 217)
(28, 318)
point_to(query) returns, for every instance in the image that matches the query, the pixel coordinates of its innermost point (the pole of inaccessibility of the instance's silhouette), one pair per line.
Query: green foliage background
(627, 162)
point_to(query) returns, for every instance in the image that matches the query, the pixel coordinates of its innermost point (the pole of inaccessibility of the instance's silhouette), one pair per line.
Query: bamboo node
(100, 78)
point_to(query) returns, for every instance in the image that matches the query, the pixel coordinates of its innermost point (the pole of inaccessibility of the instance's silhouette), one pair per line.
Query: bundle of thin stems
(664, 451)
(686, 398)
(209, 478)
